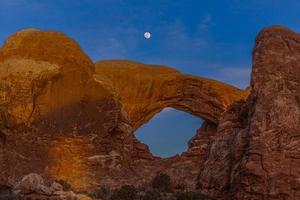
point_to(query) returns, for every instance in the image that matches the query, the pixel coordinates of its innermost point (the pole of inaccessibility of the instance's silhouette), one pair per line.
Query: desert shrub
(150, 195)
(11, 197)
(6, 193)
(126, 192)
(66, 186)
(180, 186)
(103, 192)
(143, 188)
(162, 182)
(191, 196)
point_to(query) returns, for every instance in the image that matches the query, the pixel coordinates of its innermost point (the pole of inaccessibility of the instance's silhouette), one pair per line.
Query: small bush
(66, 186)
(6, 193)
(11, 197)
(191, 196)
(180, 186)
(151, 195)
(143, 188)
(162, 182)
(102, 192)
(126, 192)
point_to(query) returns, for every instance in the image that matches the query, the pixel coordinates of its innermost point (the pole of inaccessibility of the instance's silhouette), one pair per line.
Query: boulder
(33, 183)
(33, 186)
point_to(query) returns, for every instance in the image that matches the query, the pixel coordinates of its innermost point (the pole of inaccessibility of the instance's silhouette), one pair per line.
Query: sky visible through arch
(168, 132)
(211, 38)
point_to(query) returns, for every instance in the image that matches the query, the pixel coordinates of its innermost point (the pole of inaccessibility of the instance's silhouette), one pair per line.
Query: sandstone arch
(58, 115)
(258, 138)
(145, 90)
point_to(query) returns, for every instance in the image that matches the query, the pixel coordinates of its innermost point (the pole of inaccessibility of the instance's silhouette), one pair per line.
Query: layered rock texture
(66, 118)
(257, 150)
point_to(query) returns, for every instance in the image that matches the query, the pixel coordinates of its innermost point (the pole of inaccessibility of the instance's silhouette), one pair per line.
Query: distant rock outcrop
(65, 118)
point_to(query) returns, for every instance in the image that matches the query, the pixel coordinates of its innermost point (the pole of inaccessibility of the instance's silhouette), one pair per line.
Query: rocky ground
(65, 118)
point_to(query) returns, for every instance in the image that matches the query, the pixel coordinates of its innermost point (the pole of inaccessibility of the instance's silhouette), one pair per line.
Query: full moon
(147, 35)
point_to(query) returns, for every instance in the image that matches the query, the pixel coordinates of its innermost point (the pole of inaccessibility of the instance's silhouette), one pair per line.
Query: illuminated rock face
(52, 109)
(63, 117)
(144, 90)
(46, 76)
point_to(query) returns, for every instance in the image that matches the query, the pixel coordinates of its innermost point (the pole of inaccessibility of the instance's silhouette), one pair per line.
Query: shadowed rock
(259, 139)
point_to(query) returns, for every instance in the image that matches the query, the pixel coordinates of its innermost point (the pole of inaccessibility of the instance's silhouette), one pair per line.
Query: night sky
(210, 38)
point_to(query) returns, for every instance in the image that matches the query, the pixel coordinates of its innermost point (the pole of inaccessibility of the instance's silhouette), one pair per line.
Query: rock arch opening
(169, 132)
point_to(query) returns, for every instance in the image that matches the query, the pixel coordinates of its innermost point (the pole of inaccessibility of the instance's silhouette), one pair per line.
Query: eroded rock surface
(260, 139)
(273, 159)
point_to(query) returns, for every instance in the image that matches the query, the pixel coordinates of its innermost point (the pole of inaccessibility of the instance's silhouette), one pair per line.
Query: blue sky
(168, 132)
(210, 38)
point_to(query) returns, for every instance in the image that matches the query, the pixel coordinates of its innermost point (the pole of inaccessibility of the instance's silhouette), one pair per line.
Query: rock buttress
(271, 167)
(53, 112)
(256, 154)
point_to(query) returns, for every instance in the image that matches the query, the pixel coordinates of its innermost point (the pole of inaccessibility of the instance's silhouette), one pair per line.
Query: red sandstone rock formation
(259, 138)
(61, 120)
(64, 118)
(271, 165)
